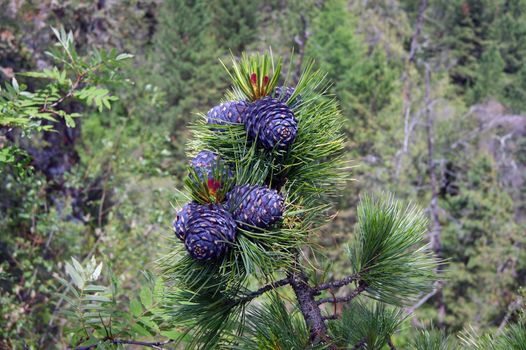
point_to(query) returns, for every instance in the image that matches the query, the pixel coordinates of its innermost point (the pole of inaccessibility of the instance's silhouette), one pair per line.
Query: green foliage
(388, 254)
(512, 338)
(433, 339)
(255, 76)
(32, 111)
(489, 76)
(97, 317)
(273, 326)
(26, 110)
(478, 247)
(374, 324)
(362, 79)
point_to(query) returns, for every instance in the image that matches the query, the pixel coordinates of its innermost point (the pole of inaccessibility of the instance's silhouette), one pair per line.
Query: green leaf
(135, 307)
(70, 122)
(77, 279)
(141, 330)
(97, 298)
(123, 56)
(95, 288)
(171, 334)
(149, 323)
(146, 297)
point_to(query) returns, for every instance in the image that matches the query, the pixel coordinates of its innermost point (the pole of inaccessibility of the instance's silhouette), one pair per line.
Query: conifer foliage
(259, 186)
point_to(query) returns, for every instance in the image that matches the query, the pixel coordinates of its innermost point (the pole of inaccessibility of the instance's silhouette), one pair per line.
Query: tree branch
(390, 343)
(344, 299)
(359, 344)
(337, 283)
(264, 289)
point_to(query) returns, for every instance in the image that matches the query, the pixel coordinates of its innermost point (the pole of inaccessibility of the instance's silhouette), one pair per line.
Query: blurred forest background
(434, 94)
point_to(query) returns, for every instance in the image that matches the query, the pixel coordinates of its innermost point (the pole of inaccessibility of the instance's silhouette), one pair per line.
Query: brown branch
(310, 309)
(425, 298)
(78, 81)
(390, 343)
(337, 283)
(359, 344)
(330, 317)
(264, 289)
(344, 299)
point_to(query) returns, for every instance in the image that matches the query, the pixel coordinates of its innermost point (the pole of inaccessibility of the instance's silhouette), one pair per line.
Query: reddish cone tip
(253, 78)
(213, 186)
(265, 80)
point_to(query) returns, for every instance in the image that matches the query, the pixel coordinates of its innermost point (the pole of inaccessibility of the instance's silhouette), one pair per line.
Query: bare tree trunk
(407, 88)
(301, 41)
(436, 228)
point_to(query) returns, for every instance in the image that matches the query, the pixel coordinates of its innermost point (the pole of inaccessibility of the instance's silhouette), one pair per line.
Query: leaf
(15, 84)
(140, 330)
(171, 334)
(70, 122)
(95, 275)
(95, 288)
(149, 323)
(79, 281)
(146, 297)
(135, 307)
(97, 298)
(123, 56)
(77, 265)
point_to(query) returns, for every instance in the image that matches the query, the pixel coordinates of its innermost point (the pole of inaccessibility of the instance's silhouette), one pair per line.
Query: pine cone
(272, 122)
(283, 93)
(204, 161)
(209, 229)
(255, 206)
(179, 224)
(227, 113)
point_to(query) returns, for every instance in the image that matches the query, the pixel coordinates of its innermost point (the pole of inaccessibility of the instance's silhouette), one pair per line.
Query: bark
(308, 306)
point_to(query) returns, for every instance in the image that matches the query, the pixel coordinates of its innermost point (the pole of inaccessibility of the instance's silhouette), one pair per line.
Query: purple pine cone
(255, 206)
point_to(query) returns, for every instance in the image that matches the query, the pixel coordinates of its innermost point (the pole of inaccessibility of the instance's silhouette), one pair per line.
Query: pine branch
(344, 299)
(359, 344)
(338, 283)
(390, 343)
(152, 345)
(330, 317)
(264, 289)
(310, 309)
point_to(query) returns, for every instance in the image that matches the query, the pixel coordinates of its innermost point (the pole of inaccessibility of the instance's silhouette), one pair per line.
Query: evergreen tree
(185, 46)
(236, 23)
(489, 77)
(363, 81)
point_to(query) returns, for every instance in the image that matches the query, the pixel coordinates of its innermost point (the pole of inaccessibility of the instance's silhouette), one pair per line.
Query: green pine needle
(389, 252)
(375, 323)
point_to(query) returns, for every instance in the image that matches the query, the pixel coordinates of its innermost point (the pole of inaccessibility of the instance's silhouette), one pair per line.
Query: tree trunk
(308, 306)
(436, 228)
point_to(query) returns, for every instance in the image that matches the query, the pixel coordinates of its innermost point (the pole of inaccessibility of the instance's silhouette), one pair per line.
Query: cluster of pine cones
(207, 230)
